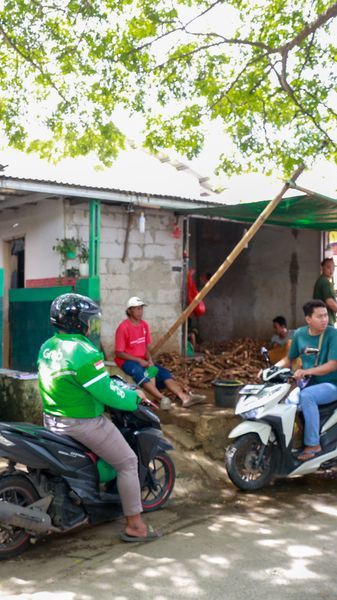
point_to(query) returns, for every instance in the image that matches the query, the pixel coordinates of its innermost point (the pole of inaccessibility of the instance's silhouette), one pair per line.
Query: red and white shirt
(132, 339)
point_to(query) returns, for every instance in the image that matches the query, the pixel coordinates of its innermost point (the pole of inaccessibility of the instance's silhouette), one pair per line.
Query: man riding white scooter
(316, 345)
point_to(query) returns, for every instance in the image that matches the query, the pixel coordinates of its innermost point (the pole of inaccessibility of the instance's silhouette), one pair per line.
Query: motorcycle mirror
(265, 354)
(148, 374)
(151, 371)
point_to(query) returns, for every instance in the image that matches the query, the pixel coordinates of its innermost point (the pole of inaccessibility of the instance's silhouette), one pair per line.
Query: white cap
(135, 301)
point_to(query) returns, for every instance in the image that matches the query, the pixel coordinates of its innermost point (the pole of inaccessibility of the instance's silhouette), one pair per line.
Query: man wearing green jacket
(75, 386)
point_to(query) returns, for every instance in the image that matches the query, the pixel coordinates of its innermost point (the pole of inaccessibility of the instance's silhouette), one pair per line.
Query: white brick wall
(146, 272)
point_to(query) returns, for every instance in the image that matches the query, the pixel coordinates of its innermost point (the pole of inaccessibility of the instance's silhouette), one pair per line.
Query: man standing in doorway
(324, 288)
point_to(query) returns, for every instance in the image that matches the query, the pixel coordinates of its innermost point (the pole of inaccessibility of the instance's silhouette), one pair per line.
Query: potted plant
(66, 248)
(72, 272)
(83, 257)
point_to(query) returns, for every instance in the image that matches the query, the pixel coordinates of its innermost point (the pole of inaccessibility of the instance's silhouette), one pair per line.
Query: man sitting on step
(132, 355)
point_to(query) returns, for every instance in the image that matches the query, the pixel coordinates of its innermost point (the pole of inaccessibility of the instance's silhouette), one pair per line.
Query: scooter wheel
(18, 490)
(247, 468)
(159, 482)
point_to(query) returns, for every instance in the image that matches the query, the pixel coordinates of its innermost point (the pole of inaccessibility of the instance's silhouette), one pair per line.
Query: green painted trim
(89, 286)
(94, 237)
(2, 291)
(38, 294)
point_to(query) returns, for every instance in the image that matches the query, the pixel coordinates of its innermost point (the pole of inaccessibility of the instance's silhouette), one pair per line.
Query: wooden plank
(232, 256)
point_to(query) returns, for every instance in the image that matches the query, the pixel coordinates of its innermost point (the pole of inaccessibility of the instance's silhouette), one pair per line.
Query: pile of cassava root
(235, 359)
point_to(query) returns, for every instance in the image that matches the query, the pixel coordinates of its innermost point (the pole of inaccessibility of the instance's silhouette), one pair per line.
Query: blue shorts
(135, 371)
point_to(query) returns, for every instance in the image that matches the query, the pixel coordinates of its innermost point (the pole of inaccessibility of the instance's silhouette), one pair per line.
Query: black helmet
(73, 313)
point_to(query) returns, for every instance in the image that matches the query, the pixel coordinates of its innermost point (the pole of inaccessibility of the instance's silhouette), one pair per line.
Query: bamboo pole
(229, 260)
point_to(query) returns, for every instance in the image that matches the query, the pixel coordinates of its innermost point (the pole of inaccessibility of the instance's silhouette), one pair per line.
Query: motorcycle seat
(326, 409)
(34, 431)
(62, 439)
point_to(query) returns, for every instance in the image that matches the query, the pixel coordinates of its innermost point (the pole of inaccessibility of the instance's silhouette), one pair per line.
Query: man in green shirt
(75, 386)
(324, 288)
(321, 367)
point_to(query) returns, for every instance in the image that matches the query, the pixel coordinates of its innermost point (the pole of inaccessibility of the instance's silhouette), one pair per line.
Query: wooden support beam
(229, 260)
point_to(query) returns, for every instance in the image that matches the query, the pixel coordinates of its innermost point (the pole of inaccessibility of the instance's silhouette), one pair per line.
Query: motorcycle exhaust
(32, 519)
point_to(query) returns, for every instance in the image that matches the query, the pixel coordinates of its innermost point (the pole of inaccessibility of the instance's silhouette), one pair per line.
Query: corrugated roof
(133, 172)
(91, 188)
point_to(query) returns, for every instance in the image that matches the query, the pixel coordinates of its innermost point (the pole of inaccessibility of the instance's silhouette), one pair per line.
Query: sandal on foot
(152, 534)
(199, 397)
(194, 399)
(308, 454)
(165, 403)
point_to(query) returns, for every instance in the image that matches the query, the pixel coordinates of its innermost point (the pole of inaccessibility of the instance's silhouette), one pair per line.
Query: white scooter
(264, 442)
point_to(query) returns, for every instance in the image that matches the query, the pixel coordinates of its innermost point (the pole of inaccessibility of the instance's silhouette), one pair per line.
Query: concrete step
(202, 426)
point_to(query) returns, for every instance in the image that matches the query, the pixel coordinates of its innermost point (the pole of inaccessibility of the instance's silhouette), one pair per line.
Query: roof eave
(114, 196)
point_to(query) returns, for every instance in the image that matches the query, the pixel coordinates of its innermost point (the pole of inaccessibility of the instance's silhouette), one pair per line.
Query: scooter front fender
(263, 430)
(150, 442)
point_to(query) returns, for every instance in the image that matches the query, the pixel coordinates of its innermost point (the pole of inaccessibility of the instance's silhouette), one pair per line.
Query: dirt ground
(87, 563)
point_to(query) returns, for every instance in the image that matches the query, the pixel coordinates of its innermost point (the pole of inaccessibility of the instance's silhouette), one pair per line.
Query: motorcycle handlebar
(274, 372)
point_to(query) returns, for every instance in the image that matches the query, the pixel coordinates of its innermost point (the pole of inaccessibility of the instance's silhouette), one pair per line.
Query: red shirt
(132, 339)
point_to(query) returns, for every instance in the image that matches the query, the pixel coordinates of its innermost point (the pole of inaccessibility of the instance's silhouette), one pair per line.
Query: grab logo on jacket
(53, 355)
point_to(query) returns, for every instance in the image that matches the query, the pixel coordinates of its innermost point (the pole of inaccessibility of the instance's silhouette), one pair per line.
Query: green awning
(299, 212)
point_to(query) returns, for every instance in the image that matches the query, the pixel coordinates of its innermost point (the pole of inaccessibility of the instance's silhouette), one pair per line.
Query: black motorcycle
(53, 483)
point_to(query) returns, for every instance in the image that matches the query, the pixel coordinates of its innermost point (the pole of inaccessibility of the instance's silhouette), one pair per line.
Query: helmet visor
(95, 324)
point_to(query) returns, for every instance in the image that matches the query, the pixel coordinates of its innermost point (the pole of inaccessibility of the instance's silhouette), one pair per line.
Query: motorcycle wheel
(246, 469)
(18, 490)
(159, 482)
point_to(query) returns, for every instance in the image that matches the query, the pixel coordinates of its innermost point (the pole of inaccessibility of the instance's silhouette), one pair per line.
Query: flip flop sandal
(199, 397)
(308, 455)
(194, 399)
(152, 534)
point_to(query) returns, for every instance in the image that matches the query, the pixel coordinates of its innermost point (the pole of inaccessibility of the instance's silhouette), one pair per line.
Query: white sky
(137, 171)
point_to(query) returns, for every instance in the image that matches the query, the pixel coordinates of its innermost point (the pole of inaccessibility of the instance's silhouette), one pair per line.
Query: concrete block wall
(273, 276)
(151, 270)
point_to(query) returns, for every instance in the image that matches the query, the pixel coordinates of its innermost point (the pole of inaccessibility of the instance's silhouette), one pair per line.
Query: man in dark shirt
(324, 288)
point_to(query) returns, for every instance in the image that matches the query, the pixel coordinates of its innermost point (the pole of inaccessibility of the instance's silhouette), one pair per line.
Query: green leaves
(264, 70)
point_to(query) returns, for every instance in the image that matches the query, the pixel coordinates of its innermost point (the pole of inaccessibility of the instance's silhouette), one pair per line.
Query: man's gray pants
(101, 436)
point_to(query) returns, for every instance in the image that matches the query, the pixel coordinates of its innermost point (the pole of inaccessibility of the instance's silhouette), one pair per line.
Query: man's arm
(284, 362)
(125, 356)
(148, 356)
(324, 369)
(328, 294)
(331, 303)
(96, 381)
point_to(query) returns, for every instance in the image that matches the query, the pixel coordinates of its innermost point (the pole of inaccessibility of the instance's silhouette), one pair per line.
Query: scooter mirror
(151, 371)
(265, 354)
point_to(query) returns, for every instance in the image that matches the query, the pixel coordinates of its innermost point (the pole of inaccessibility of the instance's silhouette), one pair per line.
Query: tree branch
(321, 20)
(282, 77)
(28, 59)
(265, 121)
(204, 12)
(237, 78)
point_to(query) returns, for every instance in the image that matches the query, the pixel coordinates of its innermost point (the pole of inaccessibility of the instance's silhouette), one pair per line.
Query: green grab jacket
(73, 381)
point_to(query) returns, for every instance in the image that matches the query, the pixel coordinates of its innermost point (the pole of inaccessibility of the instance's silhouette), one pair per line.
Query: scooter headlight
(250, 414)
